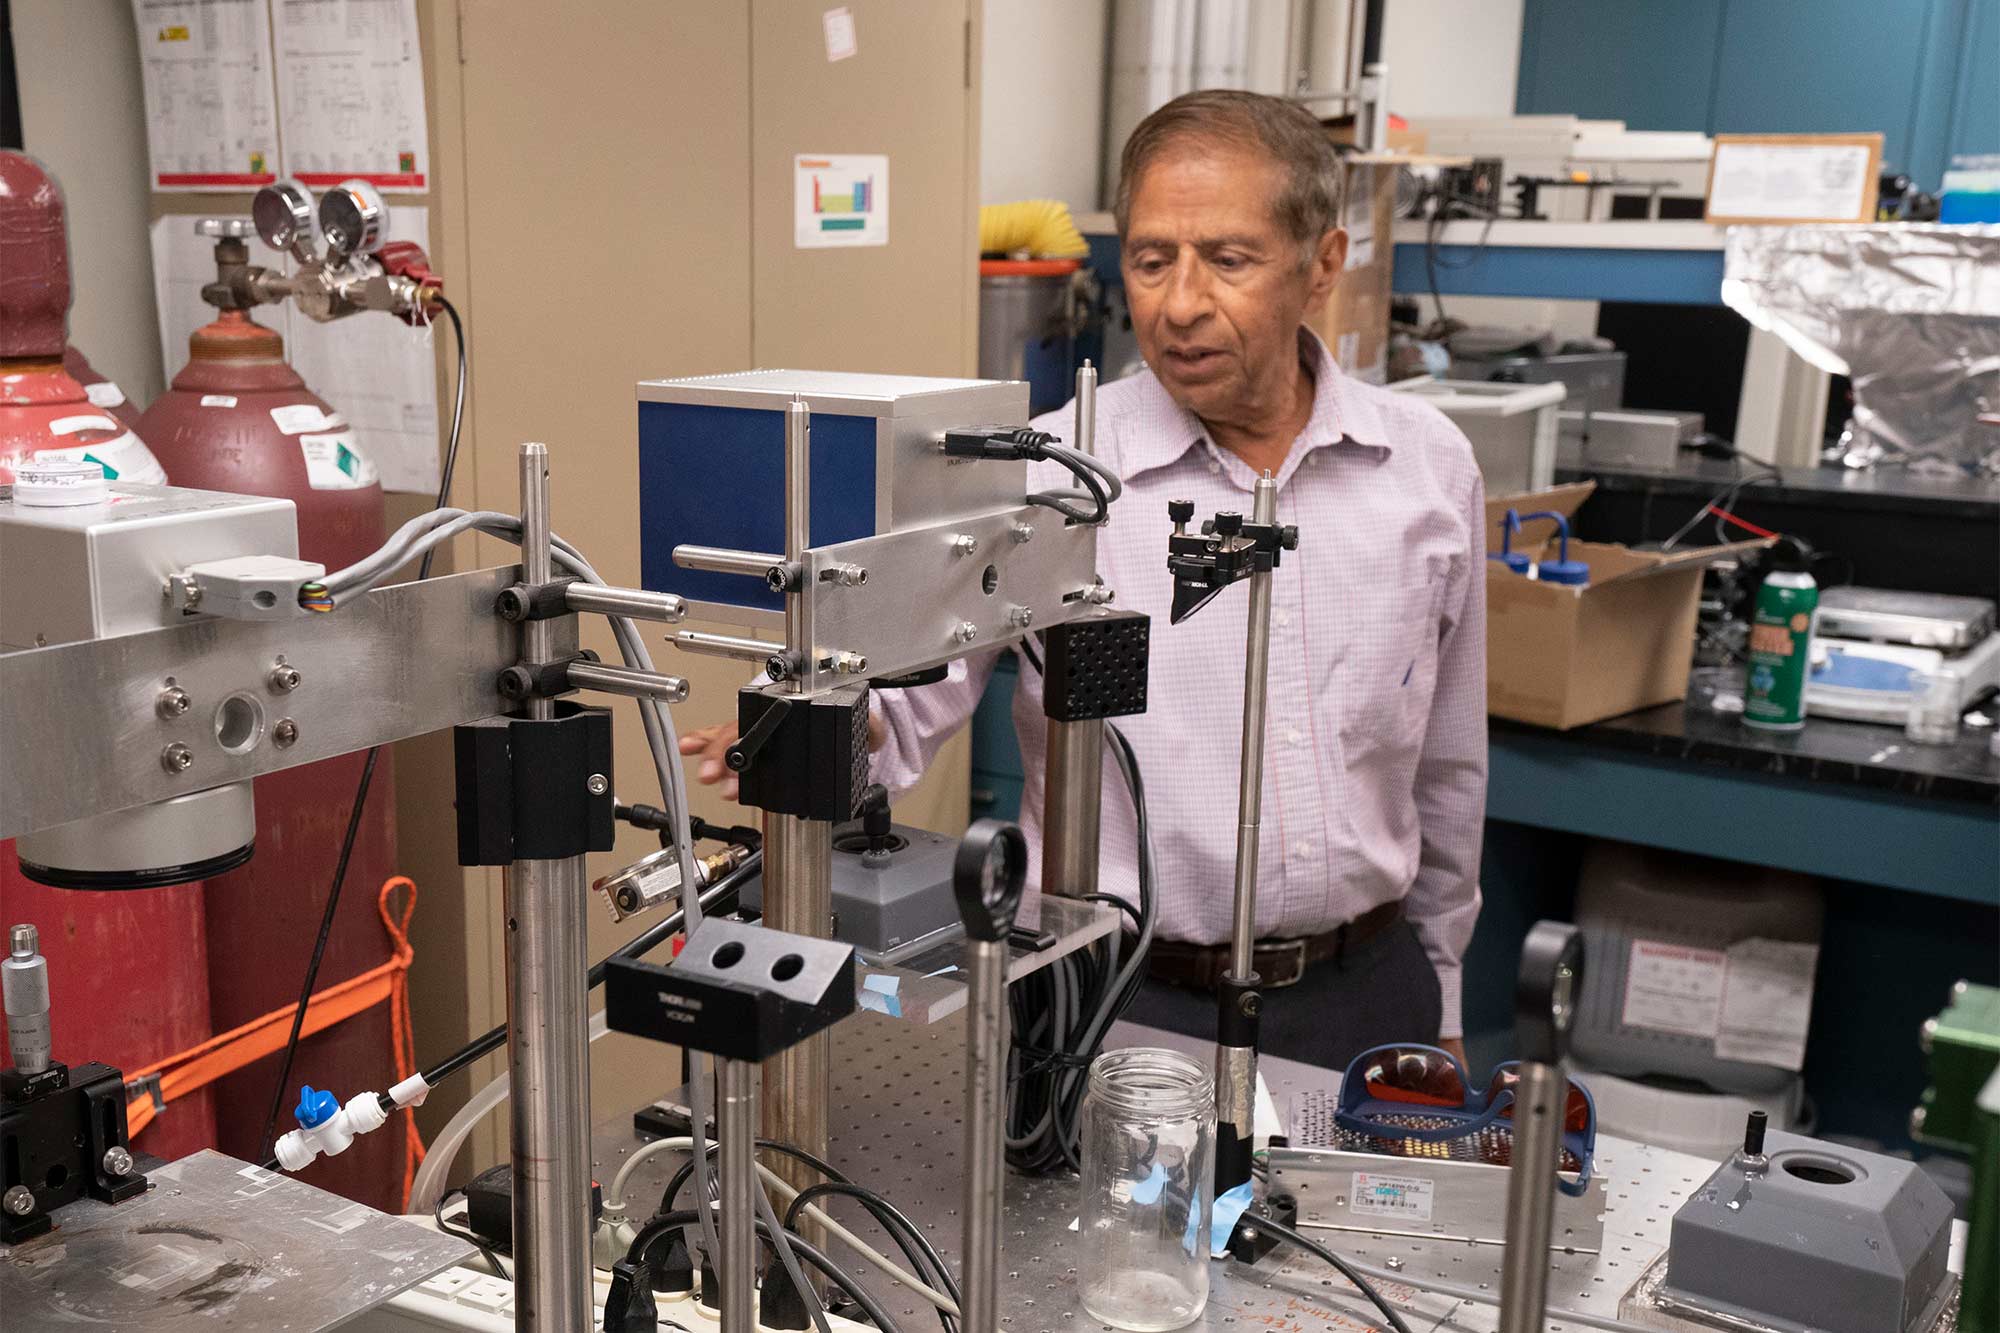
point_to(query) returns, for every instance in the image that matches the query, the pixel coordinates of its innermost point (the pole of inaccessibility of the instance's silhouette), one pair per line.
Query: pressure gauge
(353, 218)
(283, 213)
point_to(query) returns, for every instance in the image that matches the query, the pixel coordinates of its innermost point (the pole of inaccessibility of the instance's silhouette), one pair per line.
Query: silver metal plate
(894, 1121)
(398, 662)
(217, 1244)
(920, 591)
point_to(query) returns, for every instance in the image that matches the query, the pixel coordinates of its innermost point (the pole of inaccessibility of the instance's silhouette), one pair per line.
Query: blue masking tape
(1229, 1206)
(881, 983)
(881, 1003)
(1148, 1190)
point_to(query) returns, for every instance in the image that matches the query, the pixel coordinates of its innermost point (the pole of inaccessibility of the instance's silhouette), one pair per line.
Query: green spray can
(1781, 628)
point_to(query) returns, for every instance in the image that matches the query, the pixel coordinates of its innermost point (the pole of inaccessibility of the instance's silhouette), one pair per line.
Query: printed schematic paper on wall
(211, 108)
(351, 92)
(840, 199)
(377, 372)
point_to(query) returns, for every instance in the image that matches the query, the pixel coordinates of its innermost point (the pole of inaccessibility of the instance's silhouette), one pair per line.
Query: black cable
(449, 466)
(660, 1227)
(1724, 499)
(466, 1235)
(1283, 1232)
(918, 1249)
(672, 1192)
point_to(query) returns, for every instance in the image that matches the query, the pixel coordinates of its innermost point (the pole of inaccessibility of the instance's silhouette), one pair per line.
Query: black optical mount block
(62, 1138)
(738, 991)
(1228, 548)
(1096, 666)
(534, 789)
(805, 756)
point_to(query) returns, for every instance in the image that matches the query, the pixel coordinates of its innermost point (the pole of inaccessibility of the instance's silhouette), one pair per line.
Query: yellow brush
(1041, 227)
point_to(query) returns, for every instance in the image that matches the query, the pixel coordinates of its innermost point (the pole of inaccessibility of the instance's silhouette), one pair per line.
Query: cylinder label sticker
(125, 458)
(297, 418)
(218, 400)
(1405, 1197)
(335, 462)
(104, 394)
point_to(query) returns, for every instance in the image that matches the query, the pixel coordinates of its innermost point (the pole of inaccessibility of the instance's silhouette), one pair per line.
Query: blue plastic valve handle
(1507, 555)
(1562, 569)
(316, 1107)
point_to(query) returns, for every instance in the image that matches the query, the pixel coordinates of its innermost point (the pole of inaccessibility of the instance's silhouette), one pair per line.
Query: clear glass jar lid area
(1151, 1083)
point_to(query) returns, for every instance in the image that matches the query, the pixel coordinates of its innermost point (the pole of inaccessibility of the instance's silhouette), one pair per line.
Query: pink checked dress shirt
(1375, 749)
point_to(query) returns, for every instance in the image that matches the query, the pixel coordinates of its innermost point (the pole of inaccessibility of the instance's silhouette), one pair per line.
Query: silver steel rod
(736, 1126)
(635, 603)
(1086, 408)
(985, 1145)
(1250, 786)
(548, 1020)
(631, 684)
(537, 560)
(722, 560)
(798, 897)
(547, 1043)
(1531, 1185)
(1072, 807)
(725, 645)
(798, 538)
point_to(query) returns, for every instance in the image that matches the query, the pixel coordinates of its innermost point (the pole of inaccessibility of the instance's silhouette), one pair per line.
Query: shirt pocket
(1392, 667)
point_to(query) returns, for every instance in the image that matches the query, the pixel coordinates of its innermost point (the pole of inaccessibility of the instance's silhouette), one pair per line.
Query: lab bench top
(1828, 750)
(1879, 489)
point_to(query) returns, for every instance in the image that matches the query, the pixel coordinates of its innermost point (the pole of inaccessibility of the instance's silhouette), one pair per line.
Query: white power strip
(477, 1302)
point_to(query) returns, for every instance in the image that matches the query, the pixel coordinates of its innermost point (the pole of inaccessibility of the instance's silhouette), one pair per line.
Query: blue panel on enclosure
(1649, 64)
(715, 476)
(1679, 277)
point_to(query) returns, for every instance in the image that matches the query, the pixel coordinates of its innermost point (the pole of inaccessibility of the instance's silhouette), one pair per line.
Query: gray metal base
(895, 1126)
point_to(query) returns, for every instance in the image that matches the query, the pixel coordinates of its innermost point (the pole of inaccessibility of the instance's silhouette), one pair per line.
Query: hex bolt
(1394, 1263)
(1023, 533)
(845, 576)
(20, 1201)
(1099, 595)
(964, 543)
(177, 758)
(173, 702)
(284, 679)
(597, 784)
(1020, 616)
(284, 732)
(117, 1162)
(965, 632)
(850, 664)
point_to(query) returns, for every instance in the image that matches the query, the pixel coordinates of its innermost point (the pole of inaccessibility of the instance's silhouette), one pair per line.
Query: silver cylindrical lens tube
(634, 603)
(24, 990)
(722, 560)
(630, 683)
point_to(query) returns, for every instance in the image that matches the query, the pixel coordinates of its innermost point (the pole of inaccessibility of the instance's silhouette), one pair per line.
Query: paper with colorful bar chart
(840, 199)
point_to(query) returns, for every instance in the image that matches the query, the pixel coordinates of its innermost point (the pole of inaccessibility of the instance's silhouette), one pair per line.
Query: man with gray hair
(1228, 209)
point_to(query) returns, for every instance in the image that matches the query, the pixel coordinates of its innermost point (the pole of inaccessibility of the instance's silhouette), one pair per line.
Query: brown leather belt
(1279, 963)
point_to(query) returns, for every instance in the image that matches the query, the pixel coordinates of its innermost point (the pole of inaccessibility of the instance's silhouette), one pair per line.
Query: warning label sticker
(336, 463)
(1673, 988)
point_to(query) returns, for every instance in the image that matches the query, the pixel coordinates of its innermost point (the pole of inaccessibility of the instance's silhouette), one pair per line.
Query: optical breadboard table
(896, 1127)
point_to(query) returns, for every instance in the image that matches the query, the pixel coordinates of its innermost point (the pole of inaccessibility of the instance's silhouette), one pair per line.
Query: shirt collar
(1342, 413)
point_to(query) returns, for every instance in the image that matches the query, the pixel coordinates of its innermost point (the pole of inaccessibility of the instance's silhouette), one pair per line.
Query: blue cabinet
(1926, 73)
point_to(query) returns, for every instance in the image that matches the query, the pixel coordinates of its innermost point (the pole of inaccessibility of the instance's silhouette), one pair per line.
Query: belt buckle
(1281, 949)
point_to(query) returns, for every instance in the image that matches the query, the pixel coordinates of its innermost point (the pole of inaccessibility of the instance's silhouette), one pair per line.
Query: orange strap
(224, 1054)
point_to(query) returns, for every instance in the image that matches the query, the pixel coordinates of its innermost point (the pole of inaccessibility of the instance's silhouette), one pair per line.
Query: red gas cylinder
(103, 393)
(238, 418)
(127, 970)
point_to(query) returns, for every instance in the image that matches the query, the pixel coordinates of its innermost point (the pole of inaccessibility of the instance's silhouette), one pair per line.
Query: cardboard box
(1561, 656)
(1355, 323)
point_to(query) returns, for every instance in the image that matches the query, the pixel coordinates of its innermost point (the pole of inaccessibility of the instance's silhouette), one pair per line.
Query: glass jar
(1934, 713)
(1148, 1161)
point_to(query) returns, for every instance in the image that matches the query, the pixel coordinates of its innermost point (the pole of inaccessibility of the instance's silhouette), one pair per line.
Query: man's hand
(1455, 1045)
(710, 743)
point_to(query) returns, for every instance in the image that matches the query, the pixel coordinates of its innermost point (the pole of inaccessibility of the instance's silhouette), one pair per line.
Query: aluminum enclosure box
(1827, 1239)
(69, 574)
(712, 469)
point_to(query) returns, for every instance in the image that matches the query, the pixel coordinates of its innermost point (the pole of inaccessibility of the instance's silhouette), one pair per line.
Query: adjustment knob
(1180, 511)
(1228, 523)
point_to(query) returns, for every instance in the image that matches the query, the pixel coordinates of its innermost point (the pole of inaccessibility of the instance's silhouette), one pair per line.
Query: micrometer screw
(284, 732)
(20, 1201)
(284, 679)
(177, 758)
(597, 784)
(117, 1162)
(174, 702)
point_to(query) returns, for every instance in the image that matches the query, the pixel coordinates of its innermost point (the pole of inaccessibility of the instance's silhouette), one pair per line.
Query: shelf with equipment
(1671, 262)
